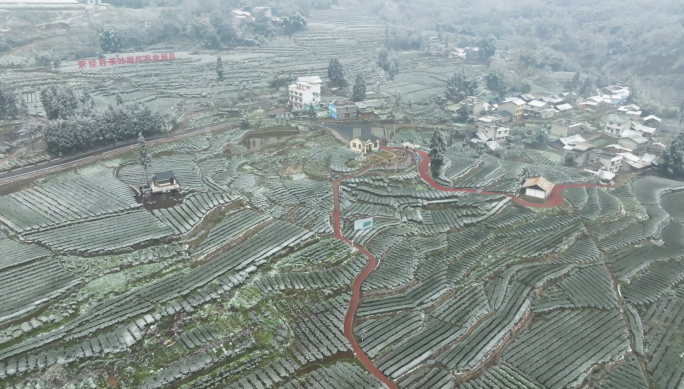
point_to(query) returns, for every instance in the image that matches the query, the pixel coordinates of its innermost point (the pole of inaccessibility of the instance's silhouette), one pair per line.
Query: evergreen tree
(392, 71)
(9, 102)
(487, 47)
(574, 84)
(525, 86)
(219, 67)
(438, 146)
(293, 23)
(460, 86)
(109, 41)
(336, 73)
(359, 91)
(497, 82)
(311, 113)
(119, 100)
(144, 156)
(88, 102)
(588, 87)
(673, 159)
(59, 102)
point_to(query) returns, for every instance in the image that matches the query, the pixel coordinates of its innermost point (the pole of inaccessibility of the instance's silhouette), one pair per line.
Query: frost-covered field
(236, 281)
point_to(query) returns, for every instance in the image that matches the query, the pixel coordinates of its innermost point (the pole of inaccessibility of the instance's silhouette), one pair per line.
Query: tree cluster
(82, 132)
(438, 146)
(497, 82)
(9, 102)
(109, 40)
(293, 23)
(359, 90)
(673, 159)
(460, 86)
(336, 73)
(59, 102)
(390, 65)
(402, 38)
(487, 47)
(219, 67)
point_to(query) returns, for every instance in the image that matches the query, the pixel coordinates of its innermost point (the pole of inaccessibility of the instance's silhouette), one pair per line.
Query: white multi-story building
(494, 131)
(306, 92)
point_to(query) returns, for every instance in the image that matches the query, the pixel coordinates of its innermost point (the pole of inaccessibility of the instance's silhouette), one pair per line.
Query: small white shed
(538, 187)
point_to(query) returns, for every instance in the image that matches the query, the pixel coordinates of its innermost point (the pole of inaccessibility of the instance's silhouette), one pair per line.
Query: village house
(364, 112)
(527, 97)
(610, 161)
(576, 150)
(342, 109)
(563, 108)
(164, 182)
(515, 106)
(635, 163)
(652, 120)
(564, 127)
(493, 131)
(262, 11)
(617, 124)
(581, 154)
(632, 140)
(305, 92)
(572, 98)
(365, 144)
(539, 108)
(614, 94)
(474, 106)
(239, 16)
(646, 131)
(538, 187)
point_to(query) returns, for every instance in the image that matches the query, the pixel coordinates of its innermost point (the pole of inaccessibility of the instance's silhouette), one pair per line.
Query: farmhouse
(305, 92)
(538, 108)
(645, 131)
(610, 161)
(474, 106)
(164, 182)
(342, 109)
(515, 106)
(652, 120)
(365, 144)
(572, 98)
(632, 140)
(538, 187)
(617, 124)
(565, 127)
(614, 94)
(493, 131)
(364, 112)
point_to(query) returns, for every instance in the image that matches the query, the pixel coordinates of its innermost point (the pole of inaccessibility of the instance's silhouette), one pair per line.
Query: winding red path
(555, 199)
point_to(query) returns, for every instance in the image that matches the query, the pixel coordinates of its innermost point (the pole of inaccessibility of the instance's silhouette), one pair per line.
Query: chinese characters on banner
(93, 63)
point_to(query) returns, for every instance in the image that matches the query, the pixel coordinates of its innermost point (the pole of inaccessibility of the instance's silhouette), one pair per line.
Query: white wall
(540, 194)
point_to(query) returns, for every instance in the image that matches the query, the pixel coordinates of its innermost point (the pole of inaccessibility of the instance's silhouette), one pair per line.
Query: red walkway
(356, 287)
(554, 200)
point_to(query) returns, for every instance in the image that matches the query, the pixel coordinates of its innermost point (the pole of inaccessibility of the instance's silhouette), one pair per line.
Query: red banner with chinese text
(101, 62)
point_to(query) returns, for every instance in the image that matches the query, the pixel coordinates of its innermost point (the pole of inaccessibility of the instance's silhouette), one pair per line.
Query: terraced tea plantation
(239, 281)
